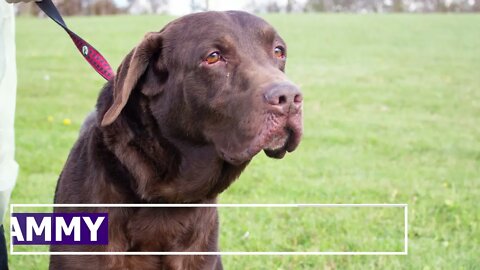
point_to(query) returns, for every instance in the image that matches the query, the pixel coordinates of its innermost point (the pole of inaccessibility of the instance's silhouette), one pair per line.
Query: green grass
(392, 108)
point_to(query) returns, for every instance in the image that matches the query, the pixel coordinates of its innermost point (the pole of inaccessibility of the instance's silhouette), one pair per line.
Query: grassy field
(392, 115)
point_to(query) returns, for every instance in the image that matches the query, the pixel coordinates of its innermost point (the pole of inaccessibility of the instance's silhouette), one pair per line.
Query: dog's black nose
(284, 96)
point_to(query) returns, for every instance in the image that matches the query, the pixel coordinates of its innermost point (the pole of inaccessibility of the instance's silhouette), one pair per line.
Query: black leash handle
(93, 57)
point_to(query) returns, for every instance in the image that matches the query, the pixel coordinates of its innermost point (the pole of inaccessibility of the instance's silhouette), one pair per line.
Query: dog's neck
(164, 168)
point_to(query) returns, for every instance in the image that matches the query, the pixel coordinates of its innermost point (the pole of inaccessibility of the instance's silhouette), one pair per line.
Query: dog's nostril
(282, 95)
(298, 98)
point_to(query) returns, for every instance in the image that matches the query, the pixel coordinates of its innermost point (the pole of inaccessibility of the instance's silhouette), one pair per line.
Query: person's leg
(8, 86)
(3, 250)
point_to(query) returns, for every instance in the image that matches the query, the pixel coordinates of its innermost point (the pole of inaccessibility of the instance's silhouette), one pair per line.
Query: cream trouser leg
(8, 86)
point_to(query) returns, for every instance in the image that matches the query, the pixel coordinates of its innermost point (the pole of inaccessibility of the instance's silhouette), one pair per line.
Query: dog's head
(215, 78)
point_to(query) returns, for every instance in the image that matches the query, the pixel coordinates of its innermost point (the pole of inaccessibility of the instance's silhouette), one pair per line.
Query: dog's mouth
(281, 138)
(277, 147)
(278, 136)
(286, 140)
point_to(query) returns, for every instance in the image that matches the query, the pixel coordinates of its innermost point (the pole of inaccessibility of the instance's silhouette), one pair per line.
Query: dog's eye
(213, 58)
(279, 52)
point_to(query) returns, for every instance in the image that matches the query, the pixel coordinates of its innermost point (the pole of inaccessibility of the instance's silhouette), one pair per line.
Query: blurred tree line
(103, 7)
(74, 7)
(381, 6)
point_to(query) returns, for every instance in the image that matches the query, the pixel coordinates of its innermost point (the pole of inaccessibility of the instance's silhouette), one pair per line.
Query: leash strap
(93, 57)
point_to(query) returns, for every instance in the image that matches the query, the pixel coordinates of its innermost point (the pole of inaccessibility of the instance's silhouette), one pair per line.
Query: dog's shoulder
(89, 123)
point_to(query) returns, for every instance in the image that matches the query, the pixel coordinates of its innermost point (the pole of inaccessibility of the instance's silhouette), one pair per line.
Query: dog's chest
(172, 229)
(165, 229)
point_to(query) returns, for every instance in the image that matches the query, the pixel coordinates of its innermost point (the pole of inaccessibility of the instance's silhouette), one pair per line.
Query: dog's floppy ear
(129, 73)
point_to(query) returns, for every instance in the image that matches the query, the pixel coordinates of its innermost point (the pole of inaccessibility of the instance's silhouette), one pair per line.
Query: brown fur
(170, 128)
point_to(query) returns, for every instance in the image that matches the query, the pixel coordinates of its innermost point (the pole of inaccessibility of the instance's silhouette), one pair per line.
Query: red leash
(93, 57)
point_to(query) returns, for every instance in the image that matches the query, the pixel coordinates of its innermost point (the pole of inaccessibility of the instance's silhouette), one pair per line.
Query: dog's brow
(226, 41)
(268, 34)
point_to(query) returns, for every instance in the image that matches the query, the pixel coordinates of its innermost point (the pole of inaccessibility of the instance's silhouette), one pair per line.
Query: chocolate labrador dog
(190, 106)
